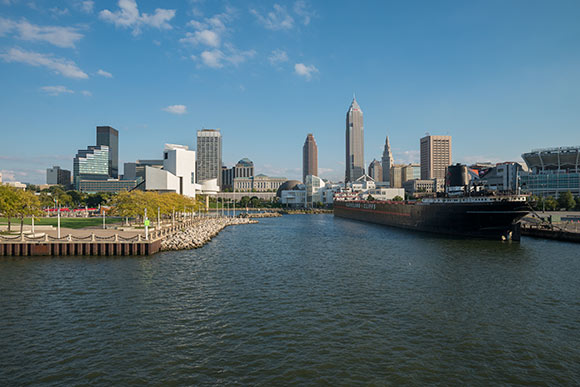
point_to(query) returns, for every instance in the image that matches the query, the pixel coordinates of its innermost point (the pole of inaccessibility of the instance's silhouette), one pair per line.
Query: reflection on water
(298, 299)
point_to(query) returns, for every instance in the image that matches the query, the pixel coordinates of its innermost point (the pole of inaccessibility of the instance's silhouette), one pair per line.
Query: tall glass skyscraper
(110, 137)
(209, 155)
(309, 157)
(354, 143)
(91, 164)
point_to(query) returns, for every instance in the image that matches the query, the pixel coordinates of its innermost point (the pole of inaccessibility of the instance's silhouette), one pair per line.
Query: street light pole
(58, 222)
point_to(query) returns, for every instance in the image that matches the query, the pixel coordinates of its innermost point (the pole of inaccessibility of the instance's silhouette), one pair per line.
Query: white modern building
(177, 174)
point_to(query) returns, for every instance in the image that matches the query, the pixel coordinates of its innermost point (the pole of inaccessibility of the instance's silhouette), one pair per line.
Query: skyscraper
(376, 170)
(387, 161)
(309, 157)
(435, 156)
(110, 137)
(354, 143)
(91, 164)
(209, 155)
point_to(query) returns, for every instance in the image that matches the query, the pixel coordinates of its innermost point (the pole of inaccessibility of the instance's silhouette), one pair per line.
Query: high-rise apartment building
(91, 164)
(354, 143)
(110, 137)
(435, 156)
(387, 161)
(376, 170)
(309, 157)
(56, 175)
(209, 155)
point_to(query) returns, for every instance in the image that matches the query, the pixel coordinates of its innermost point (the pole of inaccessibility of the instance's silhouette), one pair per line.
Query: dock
(116, 244)
(550, 232)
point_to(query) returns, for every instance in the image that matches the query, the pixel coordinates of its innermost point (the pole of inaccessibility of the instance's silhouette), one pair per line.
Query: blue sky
(501, 77)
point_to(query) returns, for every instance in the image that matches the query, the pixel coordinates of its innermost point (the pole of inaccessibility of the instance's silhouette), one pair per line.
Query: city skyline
(504, 74)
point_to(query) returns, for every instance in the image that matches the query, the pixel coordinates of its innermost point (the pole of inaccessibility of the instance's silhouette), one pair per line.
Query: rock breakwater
(200, 233)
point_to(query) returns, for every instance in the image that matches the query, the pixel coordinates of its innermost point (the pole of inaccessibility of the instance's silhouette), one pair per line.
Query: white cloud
(65, 37)
(210, 31)
(61, 66)
(56, 90)
(212, 58)
(277, 57)
(104, 73)
(278, 19)
(207, 37)
(218, 58)
(59, 12)
(128, 16)
(86, 93)
(176, 109)
(86, 6)
(305, 71)
(404, 156)
(302, 9)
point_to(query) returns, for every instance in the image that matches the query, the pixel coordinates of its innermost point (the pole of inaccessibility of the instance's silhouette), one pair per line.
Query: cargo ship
(489, 217)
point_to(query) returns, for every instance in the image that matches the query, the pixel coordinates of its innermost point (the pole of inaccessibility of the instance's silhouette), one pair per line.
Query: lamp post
(58, 221)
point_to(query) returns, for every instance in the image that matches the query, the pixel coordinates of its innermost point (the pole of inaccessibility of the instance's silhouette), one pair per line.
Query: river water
(307, 299)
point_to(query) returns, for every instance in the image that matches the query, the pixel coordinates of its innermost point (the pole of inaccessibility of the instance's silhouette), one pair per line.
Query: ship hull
(496, 220)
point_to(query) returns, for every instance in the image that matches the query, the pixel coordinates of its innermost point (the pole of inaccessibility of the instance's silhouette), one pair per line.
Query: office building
(354, 143)
(435, 156)
(178, 173)
(109, 137)
(376, 170)
(56, 175)
(552, 171)
(387, 161)
(136, 170)
(424, 188)
(110, 185)
(91, 164)
(259, 183)
(502, 177)
(411, 171)
(243, 168)
(209, 155)
(309, 157)
(396, 176)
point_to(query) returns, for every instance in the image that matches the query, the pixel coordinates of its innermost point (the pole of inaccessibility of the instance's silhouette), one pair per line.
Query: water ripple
(298, 300)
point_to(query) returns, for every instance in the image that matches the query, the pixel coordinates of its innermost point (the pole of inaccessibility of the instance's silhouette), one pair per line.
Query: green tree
(28, 205)
(370, 198)
(398, 199)
(95, 200)
(8, 203)
(566, 200)
(551, 204)
(46, 199)
(76, 198)
(244, 201)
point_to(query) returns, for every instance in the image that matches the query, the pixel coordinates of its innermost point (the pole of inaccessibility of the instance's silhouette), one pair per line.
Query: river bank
(200, 233)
